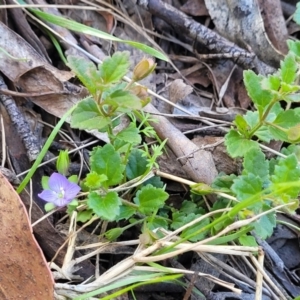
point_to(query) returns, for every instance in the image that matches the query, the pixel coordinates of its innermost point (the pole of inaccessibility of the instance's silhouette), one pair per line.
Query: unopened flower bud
(143, 69)
(294, 134)
(63, 162)
(140, 91)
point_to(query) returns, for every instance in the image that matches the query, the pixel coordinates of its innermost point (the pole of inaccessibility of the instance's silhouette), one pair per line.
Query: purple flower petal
(61, 191)
(71, 190)
(48, 196)
(57, 182)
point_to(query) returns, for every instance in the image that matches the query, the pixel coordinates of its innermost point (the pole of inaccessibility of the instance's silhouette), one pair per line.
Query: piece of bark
(241, 22)
(198, 164)
(30, 141)
(217, 44)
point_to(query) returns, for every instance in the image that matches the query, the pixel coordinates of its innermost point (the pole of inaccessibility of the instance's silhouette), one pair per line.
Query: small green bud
(63, 162)
(201, 189)
(143, 69)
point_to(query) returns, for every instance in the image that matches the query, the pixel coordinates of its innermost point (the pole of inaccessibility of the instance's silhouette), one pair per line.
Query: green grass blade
(75, 26)
(44, 150)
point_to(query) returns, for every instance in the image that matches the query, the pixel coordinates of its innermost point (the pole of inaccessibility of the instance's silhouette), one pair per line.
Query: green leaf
(188, 207)
(292, 149)
(87, 73)
(85, 215)
(106, 160)
(285, 119)
(291, 98)
(190, 231)
(126, 212)
(114, 68)
(223, 182)
(246, 186)
(294, 46)
(288, 68)
(287, 170)
(73, 178)
(265, 225)
(296, 16)
(157, 222)
(45, 180)
(87, 116)
(78, 27)
(263, 133)
(288, 118)
(94, 180)
(137, 164)
(255, 162)
(130, 135)
(241, 124)
(237, 145)
(272, 82)
(261, 98)
(288, 89)
(49, 207)
(150, 199)
(155, 181)
(124, 101)
(106, 207)
(247, 240)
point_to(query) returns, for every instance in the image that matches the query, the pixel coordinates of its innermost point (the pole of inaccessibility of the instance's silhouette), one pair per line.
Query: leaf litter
(56, 95)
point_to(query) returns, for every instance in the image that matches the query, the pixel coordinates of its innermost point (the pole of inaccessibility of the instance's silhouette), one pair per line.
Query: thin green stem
(263, 118)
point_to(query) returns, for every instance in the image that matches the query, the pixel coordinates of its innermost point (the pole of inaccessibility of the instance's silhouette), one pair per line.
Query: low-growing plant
(117, 187)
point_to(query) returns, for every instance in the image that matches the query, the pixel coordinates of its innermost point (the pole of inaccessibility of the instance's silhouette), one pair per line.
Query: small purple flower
(61, 191)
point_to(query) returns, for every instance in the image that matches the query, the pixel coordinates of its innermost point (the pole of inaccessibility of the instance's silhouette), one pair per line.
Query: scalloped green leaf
(106, 207)
(237, 145)
(294, 46)
(288, 70)
(246, 186)
(123, 101)
(255, 162)
(261, 98)
(286, 171)
(150, 199)
(114, 68)
(265, 225)
(87, 116)
(137, 164)
(106, 160)
(87, 73)
(130, 135)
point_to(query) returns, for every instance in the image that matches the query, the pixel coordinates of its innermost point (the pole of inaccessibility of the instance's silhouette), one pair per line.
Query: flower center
(62, 193)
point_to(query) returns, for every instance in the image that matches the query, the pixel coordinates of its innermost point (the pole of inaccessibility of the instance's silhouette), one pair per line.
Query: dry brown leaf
(274, 23)
(24, 273)
(36, 75)
(13, 68)
(178, 90)
(109, 18)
